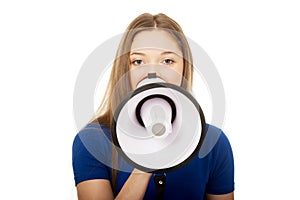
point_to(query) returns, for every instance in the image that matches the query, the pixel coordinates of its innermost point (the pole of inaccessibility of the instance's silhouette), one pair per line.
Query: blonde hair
(121, 63)
(104, 114)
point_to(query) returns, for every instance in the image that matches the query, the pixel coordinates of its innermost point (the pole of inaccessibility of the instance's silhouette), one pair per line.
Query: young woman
(150, 40)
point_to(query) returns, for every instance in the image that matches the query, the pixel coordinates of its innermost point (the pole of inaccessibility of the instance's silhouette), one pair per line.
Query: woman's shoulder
(93, 131)
(94, 140)
(91, 153)
(218, 134)
(215, 139)
(221, 162)
(94, 126)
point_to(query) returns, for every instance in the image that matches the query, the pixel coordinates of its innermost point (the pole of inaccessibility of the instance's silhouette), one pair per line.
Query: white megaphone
(158, 127)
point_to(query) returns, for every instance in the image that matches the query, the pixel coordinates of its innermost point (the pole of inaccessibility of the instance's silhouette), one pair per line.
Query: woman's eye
(168, 61)
(137, 62)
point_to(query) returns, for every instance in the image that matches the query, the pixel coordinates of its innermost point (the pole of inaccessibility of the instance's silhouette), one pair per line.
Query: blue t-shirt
(211, 171)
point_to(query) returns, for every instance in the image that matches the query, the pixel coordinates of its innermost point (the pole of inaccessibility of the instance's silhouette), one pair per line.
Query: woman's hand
(100, 189)
(135, 186)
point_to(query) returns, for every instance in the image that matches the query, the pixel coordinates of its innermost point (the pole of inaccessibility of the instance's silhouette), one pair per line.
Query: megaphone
(159, 127)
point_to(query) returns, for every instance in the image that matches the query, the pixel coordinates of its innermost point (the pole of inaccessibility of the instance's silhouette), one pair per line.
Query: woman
(150, 40)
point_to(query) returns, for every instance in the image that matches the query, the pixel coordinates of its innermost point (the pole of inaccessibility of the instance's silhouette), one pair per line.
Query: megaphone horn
(158, 127)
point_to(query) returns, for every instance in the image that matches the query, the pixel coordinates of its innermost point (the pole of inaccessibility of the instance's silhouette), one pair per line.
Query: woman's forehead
(155, 39)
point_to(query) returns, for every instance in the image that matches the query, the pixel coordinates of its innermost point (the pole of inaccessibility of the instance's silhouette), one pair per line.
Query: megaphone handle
(160, 184)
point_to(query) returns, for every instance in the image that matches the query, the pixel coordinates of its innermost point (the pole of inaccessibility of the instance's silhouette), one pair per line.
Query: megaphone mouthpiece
(151, 78)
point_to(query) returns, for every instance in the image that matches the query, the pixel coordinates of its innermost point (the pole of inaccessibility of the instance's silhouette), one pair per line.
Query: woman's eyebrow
(169, 52)
(137, 53)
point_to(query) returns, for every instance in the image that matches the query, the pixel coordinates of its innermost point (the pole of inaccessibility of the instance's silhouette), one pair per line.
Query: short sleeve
(221, 178)
(91, 155)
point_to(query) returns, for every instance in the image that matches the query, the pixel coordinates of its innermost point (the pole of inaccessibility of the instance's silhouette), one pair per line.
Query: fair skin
(100, 189)
(167, 54)
(157, 53)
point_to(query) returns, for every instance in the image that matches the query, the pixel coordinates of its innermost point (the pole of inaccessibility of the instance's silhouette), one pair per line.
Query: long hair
(104, 114)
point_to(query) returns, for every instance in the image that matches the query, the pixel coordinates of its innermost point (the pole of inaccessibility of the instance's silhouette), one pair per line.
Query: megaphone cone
(158, 127)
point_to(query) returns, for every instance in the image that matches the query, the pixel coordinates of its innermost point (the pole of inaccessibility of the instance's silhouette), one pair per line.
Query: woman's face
(155, 51)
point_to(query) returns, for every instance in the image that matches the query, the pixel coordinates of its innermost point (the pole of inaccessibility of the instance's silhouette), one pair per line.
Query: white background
(255, 46)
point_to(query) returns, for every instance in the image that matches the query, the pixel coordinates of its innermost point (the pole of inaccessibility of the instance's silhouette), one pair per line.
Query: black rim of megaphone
(139, 90)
